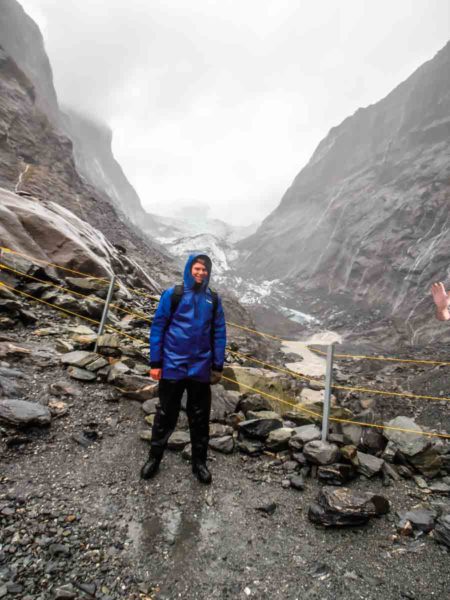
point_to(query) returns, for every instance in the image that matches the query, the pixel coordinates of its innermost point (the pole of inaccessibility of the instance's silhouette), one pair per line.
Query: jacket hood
(189, 281)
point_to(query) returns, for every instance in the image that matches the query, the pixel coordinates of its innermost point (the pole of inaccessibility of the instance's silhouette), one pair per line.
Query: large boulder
(21, 413)
(407, 443)
(338, 507)
(415, 447)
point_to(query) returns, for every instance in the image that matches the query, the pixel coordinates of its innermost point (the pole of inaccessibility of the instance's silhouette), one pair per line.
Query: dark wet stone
(144, 393)
(223, 402)
(268, 509)
(303, 435)
(219, 430)
(59, 549)
(368, 464)
(297, 417)
(337, 474)
(178, 440)
(372, 440)
(250, 447)
(409, 444)
(428, 461)
(81, 374)
(79, 358)
(297, 482)
(390, 471)
(337, 507)
(440, 488)
(224, 444)
(255, 402)
(442, 530)
(421, 519)
(278, 439)
(404, 471)
(259, 428)
(21, 413)
(321, 453)
(149, 406)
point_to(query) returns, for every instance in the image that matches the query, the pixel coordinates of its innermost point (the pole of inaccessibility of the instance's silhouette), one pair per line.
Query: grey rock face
(409, 444)
(338, 507)
(321, 453)
(369, 465)
(22, 413)
(357, 207)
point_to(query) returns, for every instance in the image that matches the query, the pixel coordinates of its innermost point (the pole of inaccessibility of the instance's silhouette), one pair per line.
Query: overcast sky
(223, 101)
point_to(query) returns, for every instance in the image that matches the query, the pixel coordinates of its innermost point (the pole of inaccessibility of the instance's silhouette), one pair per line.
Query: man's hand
(442, 300)
(216, 376)
(156, 374)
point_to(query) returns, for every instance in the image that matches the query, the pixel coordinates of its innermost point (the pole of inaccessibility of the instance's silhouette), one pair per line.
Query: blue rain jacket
(181, 344)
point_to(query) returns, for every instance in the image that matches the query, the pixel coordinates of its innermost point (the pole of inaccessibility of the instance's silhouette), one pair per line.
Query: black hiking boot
(150, 468)
(202, 473)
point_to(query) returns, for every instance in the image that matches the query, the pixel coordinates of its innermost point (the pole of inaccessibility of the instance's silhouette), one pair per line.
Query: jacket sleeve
(220, 338)
(158, 328)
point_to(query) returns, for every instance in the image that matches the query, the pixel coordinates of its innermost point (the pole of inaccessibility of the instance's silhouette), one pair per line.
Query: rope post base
(105, 310)
(327, 392)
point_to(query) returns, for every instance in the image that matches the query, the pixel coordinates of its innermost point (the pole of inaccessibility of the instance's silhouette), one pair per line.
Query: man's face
(199, 272)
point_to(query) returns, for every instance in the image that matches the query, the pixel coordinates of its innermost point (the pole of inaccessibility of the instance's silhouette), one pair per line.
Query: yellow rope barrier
(384, 358)
(343, 387)
(335, 419)
(69, 312)
(134, 314)
(275, 398)
(90, 276)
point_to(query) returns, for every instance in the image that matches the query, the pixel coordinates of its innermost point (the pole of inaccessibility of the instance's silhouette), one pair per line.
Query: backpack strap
(176, 298)
(215, 299)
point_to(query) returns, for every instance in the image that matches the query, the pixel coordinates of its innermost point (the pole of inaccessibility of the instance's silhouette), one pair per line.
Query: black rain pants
(198, 409)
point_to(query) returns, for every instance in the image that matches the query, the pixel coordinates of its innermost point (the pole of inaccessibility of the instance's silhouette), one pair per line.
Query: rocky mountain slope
(94, 159)
(37, 159)
(365, 224)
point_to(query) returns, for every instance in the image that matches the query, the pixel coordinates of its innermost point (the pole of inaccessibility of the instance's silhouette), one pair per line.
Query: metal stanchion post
(105, 310)
(327, 392)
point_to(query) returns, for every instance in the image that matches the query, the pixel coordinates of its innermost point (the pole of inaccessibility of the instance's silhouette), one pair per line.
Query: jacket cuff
(156, 364)
(217, 368)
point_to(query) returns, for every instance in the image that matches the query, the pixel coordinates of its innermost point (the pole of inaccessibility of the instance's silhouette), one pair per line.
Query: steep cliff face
(92, 147)
(368, 216)
(36, 158)
(86, 141)
(21, 39)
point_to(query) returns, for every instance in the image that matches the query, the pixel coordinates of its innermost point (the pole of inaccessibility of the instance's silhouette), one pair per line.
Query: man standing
(187, 351)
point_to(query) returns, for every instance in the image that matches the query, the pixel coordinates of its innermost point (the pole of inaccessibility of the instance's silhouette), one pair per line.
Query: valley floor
(77, 518)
